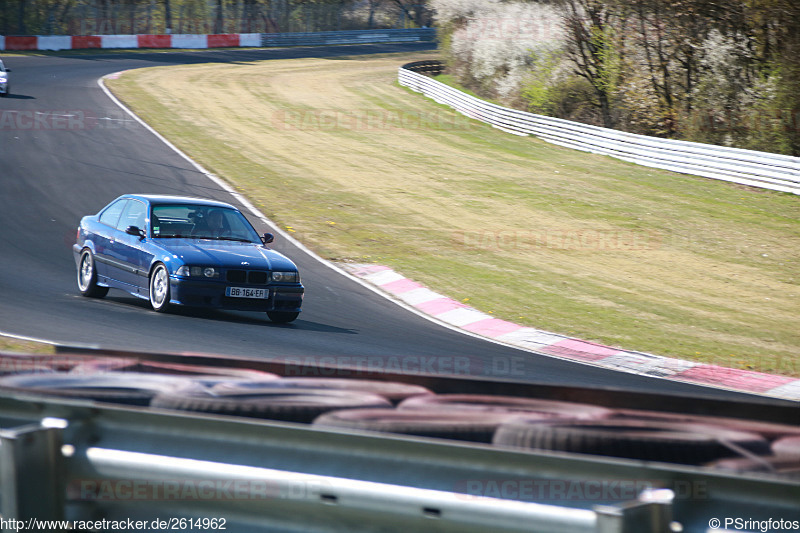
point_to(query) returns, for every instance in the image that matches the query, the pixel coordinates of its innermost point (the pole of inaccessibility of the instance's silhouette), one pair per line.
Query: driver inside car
(213, 224)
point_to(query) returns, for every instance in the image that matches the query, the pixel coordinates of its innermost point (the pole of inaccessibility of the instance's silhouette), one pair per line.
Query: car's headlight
(198, 272)
(286, 277)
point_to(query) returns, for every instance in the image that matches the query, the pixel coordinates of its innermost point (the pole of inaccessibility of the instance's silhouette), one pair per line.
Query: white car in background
(4, 86)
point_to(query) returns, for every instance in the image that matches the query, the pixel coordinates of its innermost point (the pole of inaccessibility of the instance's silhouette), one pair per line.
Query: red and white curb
(461, 316)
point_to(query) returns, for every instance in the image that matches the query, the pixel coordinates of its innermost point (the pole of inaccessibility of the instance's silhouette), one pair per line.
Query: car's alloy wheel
(87, 277)
(159, 288)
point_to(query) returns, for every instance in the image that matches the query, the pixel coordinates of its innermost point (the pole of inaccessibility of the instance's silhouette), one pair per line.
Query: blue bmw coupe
(174, 250)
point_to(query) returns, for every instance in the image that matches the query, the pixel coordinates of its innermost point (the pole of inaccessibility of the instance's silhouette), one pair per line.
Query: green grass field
(10, 344)
(363, 170)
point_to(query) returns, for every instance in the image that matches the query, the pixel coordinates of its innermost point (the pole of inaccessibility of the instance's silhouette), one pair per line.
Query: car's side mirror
(136, 231)
(267, 238)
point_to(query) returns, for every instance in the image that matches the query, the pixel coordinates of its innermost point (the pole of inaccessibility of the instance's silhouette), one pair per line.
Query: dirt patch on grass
(361, 169)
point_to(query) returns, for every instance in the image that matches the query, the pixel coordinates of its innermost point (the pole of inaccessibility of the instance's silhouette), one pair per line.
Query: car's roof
(157, 199)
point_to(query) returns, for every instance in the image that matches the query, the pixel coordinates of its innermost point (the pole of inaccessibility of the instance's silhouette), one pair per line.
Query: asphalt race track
(66, 150)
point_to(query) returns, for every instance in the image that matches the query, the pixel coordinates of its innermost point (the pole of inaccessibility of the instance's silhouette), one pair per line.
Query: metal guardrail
(348, 37)
(431, 68)
(125, 464)
(77, 460)
(66, 459)
(747, 167)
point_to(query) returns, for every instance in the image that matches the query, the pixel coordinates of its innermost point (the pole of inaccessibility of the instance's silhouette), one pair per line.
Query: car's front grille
(252, 277)
(257, 277)
(237, 276)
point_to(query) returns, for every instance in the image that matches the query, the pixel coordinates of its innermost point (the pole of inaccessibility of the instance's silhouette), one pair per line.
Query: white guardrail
(746, 167)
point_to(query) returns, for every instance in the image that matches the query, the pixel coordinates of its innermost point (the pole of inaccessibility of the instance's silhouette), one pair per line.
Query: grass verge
(11, 344)
(361, 169)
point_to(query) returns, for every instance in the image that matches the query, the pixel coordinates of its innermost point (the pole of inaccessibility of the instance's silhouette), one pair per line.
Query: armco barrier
(746, 167)
(231, 40)
(347, 37)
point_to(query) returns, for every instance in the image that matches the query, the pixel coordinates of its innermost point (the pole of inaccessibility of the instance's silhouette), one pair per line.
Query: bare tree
(591, 35)
(249, 15)
(167, 16)
(373, 6)
(414, 10)
(219, 21)
(21, 18)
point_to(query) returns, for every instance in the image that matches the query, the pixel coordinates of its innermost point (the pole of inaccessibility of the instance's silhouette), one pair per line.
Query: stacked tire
(718, 442)
(287, 399)
(465, 417)
(357, 405)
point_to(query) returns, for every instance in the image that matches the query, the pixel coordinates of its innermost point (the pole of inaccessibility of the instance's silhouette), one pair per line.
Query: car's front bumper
(201, 293)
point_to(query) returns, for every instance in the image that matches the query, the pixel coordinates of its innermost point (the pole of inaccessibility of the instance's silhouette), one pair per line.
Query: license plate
(243, 292)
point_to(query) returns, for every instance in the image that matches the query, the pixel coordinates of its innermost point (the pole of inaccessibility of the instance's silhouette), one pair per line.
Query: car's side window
(133, 215)
(111, 214)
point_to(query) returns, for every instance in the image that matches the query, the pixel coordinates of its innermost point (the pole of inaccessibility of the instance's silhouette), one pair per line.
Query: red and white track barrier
(82, 42)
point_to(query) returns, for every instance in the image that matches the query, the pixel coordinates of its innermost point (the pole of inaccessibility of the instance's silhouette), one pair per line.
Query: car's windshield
(200, 222)
(2, 67)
